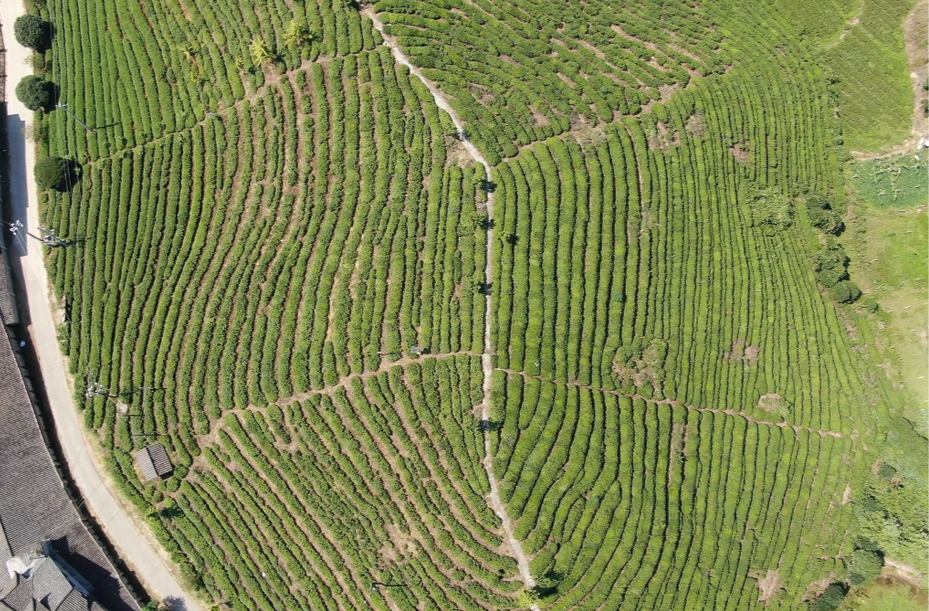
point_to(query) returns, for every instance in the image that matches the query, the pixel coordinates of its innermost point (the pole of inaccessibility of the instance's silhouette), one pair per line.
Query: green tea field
(613, 369)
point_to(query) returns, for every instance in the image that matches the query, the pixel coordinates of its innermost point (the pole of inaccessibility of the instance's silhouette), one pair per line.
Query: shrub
(846, 291)
(828, 277)
(830, 258)
(869, 304)
(30, 31)
(35, 93)
(817, 202)
(831, 598)
(864, 566)
(53, 173)
(827, 221)
(770, 210)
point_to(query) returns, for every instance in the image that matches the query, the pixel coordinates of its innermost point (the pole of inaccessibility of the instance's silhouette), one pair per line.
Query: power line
(74, 116)
(48, 238)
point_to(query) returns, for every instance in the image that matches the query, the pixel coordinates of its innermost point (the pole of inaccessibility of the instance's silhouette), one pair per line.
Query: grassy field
(891, 597)
(896, 182)
(266, 226)
(887, 239)
(861, 44)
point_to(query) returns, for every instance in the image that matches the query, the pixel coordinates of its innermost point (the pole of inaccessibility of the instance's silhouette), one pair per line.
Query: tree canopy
(35, 92)
(53, 173)
(30, 31)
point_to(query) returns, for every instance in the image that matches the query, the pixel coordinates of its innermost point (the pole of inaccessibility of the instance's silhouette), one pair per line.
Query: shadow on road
(13, 164)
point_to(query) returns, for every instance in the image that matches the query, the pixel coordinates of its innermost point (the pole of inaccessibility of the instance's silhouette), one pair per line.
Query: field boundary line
(486, 358)
(676, 403)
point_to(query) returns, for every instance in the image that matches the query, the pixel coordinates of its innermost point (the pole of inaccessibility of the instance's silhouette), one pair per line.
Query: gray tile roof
(6, 583)
(49, 585)
(8, 308)
(34, 505)
(74, 602)
(153, 461)
(20, 599)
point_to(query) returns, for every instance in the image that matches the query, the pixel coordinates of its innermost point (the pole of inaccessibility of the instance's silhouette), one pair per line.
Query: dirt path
(486, 358)
(676, 403)
(132, 539)
(906, 572)
(914, 33)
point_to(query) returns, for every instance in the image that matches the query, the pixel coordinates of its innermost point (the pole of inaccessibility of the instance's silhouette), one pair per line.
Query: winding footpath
(486, 361)
(133, 540)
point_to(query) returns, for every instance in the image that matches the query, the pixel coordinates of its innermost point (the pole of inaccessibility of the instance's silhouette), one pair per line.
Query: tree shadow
(72, 176)
(77, 240)
(130, 392)
(48, 35)
(171, 512)
(175, 603)
(490, 425)
(54, 90)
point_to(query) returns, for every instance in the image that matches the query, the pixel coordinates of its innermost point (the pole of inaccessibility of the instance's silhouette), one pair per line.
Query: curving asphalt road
(133, 541)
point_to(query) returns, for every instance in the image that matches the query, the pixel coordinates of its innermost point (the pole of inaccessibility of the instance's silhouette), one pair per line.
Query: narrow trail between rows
(675, 403)
(486, 361)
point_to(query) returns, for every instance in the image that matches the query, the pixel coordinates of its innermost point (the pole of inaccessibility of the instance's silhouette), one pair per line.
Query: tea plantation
(286, 265)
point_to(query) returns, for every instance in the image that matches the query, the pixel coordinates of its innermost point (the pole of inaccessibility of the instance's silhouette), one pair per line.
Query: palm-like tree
(298, 34)
(261, 52)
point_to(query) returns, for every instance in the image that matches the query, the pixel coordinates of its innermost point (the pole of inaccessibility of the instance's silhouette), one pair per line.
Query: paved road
(133, 541)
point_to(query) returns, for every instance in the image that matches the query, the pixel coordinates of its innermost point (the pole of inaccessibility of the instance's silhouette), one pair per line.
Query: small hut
(154, 462)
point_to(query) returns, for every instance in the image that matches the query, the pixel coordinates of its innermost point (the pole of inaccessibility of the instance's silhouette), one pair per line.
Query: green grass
(895, 182)
(894, 597)
(822, 21)
(889, 259)
(874, 91)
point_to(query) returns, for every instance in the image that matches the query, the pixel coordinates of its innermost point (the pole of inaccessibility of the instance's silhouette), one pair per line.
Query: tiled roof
(49, 585)
(153, 461)
(6, 582)
(7, 300)
(34, 505)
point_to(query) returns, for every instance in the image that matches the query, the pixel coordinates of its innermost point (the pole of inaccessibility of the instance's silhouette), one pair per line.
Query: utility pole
(73, 116)
(96, 389)
(48, 235)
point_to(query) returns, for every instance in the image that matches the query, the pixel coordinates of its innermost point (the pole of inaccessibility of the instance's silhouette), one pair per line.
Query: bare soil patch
(899, 572)
(540, 119)
(742, 151)
(769, 402)
(458, 155)
(816, 588)
(696, 125)
(847, 495)
(741, 352)
(770, 585)
(586, 134)
(663, 139)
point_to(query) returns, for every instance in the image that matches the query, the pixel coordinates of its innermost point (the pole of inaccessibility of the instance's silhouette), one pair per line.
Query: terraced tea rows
(521, 72)
(282, 278)
(378, 482)
(631, 503)
(672, 372)
(338, 252)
